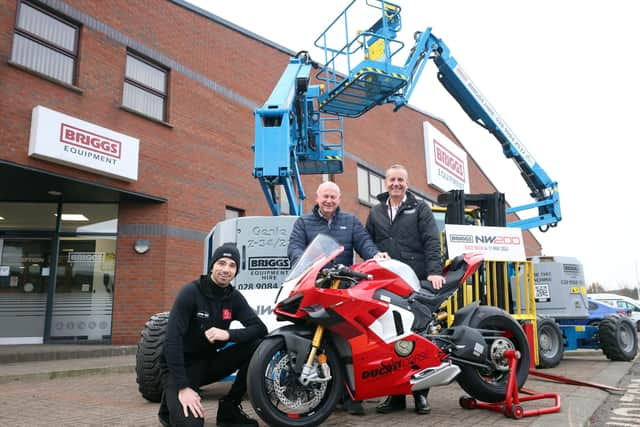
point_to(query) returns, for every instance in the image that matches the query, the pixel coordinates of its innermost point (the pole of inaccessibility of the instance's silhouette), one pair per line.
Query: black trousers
(203, 372)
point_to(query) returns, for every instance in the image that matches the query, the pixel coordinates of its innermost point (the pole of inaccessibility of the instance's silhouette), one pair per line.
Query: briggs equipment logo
(448, 161)
(90, 141)
(269, 263)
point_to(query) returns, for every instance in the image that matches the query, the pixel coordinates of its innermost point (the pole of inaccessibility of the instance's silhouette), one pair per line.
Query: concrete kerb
(66, 368)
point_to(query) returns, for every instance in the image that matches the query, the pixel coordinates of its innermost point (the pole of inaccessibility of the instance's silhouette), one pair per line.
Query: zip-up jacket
(344, 228)
(200, 305)
(412, 237)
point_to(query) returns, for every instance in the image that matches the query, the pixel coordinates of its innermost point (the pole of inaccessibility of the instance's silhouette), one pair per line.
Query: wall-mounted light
(141, 246)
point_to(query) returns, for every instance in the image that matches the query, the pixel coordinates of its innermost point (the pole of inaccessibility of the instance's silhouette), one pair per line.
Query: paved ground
(101, 391)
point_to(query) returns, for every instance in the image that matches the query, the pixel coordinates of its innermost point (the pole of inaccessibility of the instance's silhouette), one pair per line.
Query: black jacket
(200, 305)
(345, 228)
(412, 238)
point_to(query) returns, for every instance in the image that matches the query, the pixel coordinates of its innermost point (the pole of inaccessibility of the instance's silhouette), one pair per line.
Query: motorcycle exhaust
(431, 377)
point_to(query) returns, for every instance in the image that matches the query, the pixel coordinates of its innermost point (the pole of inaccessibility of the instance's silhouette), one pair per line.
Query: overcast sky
(564, 75)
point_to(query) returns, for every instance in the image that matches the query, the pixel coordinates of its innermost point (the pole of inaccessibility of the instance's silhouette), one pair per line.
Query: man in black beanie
(196, 349)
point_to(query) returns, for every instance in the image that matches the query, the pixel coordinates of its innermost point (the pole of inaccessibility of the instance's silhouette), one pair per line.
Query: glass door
(83, 298)
(24, 281)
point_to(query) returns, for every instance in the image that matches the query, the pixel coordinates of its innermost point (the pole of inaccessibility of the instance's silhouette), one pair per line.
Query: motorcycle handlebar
(352, 273)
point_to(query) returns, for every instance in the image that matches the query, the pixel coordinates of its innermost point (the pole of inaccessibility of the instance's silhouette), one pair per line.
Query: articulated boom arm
(290, 138)
(299, 130)
(375, 81)
(475, 104)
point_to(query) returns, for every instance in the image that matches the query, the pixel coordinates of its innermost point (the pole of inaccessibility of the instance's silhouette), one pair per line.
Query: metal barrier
(517, 295)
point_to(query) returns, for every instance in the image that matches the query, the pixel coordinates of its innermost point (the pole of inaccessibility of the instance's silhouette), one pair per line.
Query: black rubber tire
(149, 368)
(491, 386)
(618, 338)
(550, 343)
(264, 359)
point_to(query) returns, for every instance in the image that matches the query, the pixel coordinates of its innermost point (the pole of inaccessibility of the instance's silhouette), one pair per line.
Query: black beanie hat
(226, 250)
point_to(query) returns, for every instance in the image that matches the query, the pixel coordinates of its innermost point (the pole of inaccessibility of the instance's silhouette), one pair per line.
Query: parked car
(622, 302)
(599, 310)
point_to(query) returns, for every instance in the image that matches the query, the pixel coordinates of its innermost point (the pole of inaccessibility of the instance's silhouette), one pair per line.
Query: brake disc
(290, 392)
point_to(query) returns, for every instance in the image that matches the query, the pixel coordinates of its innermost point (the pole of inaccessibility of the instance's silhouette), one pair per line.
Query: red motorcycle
(352, 330)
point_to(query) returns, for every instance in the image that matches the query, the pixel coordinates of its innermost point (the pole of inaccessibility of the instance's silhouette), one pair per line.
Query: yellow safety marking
(580, 328)
(333, 157)
(376, 50)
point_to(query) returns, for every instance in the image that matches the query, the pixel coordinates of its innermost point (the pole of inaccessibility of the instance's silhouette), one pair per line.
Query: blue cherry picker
(299, 130)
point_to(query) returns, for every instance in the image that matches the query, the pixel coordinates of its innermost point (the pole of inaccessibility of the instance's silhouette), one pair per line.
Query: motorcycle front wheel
(501, 332)
(276, 393)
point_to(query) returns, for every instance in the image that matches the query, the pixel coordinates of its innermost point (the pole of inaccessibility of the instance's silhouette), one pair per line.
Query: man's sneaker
(354, 407)
(232, 415)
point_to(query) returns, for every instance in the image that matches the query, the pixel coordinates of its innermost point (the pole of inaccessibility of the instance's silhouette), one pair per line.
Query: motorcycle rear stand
(511, 407)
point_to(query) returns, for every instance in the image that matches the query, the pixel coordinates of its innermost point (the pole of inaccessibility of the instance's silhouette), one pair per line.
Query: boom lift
(299, 130)
(358, 75)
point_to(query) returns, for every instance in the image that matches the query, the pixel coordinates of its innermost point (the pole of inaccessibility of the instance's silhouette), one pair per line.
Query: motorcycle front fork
(310, 372)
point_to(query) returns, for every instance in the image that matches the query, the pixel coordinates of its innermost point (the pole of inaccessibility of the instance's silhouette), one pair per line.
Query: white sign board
(447, 167)
(495, 243)
(263, 243)
(63, 139)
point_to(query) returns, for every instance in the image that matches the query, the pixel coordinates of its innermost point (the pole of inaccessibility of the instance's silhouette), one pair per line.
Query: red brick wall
(203, 162)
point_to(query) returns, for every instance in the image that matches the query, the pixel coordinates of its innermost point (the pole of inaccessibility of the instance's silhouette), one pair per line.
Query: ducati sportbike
(353, 330)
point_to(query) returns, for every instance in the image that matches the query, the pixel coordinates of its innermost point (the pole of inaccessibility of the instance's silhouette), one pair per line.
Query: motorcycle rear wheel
(277, 395)
(490, 385)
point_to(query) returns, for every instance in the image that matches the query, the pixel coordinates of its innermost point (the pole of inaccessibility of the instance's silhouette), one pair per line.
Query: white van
(621, 301)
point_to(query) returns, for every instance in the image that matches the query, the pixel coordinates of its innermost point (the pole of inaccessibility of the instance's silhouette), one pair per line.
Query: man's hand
(381, 255)
(190, 401)
(214, 334)
(437, 281)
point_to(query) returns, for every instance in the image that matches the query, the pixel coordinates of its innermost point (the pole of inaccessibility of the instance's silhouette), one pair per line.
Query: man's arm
(297, 241)
(253, 329)
(177, 326)
(362, 242)
(430, 237)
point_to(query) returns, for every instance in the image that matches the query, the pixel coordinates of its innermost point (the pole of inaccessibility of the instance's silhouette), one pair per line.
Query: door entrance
(24, 282)
(83, 300)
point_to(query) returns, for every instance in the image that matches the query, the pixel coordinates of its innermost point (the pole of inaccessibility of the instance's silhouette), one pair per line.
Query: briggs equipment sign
(63, 139)
(90, 141)
(447, 167)
(495, 243)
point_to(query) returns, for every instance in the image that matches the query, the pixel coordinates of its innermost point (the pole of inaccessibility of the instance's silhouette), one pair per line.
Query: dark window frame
(372, 201)
(47, 44)
(140, 85)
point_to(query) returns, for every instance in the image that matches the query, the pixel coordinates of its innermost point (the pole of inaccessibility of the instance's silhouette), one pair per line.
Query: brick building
(125, 135)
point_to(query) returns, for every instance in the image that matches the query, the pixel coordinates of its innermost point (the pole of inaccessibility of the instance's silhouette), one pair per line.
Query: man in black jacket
(405, 228)
(196, 347)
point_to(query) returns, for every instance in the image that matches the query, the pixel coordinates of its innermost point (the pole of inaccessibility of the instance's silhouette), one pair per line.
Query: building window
(45, 43)
(370, 184)
(145, 87)
(230, 212)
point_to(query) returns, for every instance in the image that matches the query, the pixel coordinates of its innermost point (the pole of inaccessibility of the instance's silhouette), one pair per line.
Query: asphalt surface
(102, 391)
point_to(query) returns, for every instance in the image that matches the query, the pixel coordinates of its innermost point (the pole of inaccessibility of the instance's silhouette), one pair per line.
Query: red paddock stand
(511, 407)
